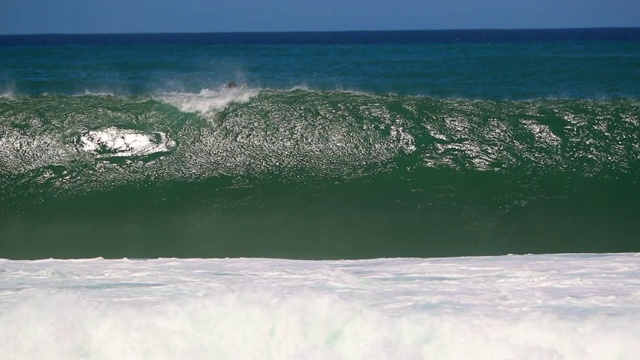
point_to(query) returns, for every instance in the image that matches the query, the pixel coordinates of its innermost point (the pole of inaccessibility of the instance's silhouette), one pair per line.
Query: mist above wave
(208, 100)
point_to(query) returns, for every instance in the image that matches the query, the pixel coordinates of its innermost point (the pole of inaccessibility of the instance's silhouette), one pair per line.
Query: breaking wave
(411, 166)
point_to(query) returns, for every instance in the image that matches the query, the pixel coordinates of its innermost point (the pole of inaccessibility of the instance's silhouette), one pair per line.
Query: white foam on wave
(510, 307)
(7, 95)
(207, 100)
(116, 142)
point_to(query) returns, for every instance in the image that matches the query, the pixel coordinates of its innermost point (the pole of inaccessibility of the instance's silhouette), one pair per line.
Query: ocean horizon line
(364, 37)
(253, 32)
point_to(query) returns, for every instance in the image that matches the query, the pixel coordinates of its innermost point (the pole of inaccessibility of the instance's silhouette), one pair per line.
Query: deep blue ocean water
(320, 145)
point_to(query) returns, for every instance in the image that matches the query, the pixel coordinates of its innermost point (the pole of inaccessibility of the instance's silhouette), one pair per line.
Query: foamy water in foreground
(574, 306)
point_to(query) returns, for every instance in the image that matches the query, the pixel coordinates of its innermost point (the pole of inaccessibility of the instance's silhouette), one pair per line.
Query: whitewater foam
(207, 100)
(115, 142)
(9, 95)
(509, 307)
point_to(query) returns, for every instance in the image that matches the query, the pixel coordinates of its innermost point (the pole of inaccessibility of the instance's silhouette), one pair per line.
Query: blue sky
(117, 16)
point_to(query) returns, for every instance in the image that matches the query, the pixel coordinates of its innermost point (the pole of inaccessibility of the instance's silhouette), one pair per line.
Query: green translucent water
(317, 174)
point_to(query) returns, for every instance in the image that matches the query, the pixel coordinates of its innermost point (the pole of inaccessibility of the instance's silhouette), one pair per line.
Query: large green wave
(315, 174)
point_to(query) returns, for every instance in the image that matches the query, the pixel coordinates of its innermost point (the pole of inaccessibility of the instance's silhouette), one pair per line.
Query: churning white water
(572, 306)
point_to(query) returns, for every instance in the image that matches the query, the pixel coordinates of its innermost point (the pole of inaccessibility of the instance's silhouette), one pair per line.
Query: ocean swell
(479, 176)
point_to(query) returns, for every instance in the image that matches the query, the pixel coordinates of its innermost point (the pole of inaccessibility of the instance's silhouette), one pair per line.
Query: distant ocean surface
(349, 195)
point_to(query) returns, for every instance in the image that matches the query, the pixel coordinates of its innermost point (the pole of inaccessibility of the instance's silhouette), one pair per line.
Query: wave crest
(207, 100)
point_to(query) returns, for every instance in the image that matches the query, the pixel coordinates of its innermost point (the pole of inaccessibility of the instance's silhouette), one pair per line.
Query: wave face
(315, 174)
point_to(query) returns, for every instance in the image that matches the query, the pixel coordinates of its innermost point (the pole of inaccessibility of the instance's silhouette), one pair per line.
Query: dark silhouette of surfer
(232, 85)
